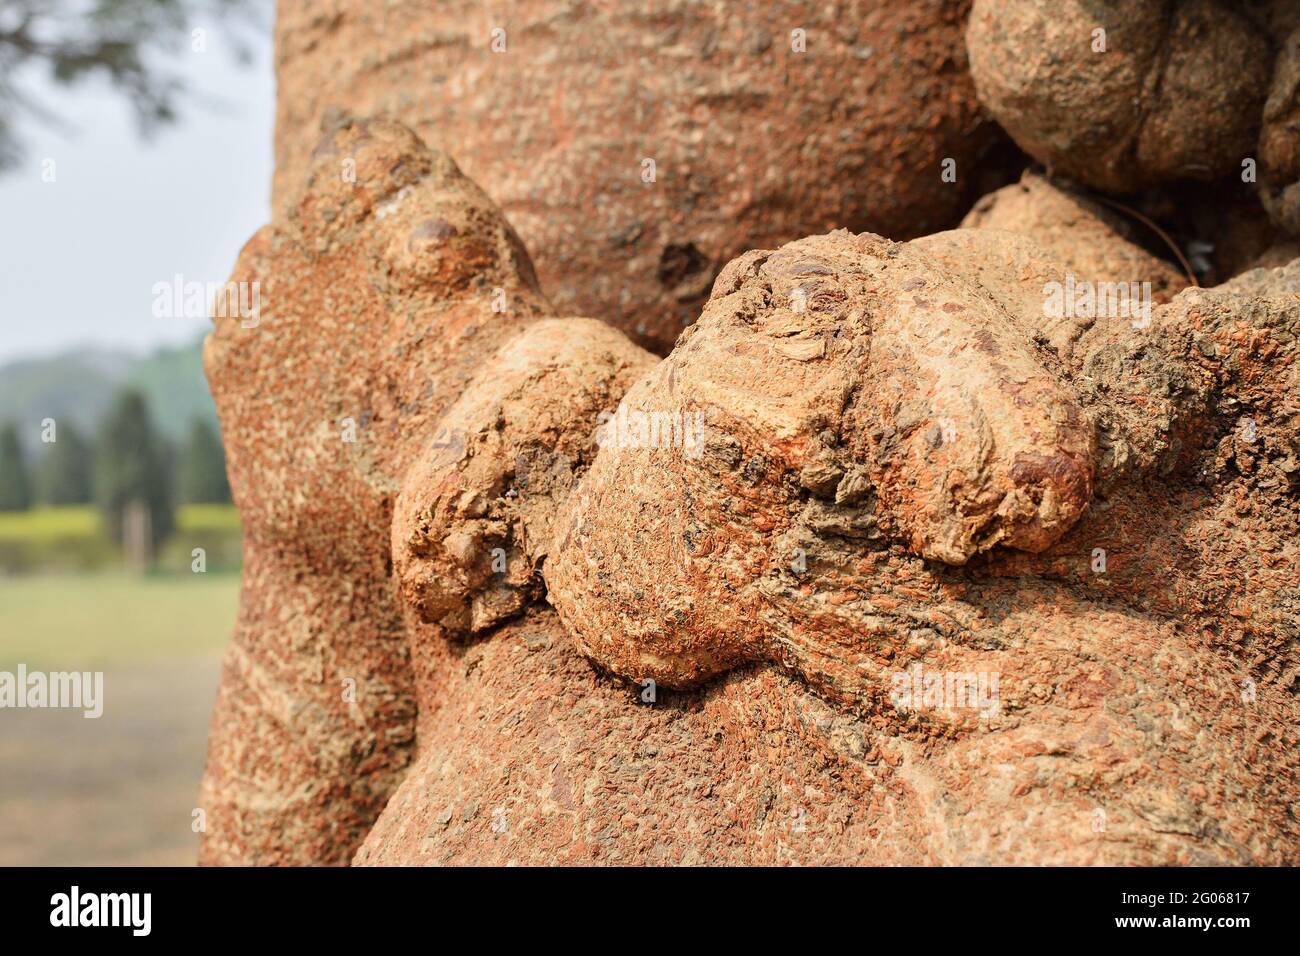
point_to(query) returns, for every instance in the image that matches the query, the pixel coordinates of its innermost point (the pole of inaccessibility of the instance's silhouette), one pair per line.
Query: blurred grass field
(120, 789)
(57, 617)
(89, 621)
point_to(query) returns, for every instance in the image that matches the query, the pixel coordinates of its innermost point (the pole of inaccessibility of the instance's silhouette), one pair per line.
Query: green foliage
(71, 538)
(76, 386)
(203, 466)
(210, 518)
(15, 483)
(68, 538)
(65, 474)
(79, 385)
(172, 381)
(114, 40)
(133, 463)
(49, 524)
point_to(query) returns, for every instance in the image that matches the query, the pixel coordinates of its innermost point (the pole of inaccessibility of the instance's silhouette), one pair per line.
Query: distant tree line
(129, 461)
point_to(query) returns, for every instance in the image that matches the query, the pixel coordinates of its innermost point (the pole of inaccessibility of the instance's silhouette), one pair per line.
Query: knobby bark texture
(639, 147)
(884, 563)
(1141, 92)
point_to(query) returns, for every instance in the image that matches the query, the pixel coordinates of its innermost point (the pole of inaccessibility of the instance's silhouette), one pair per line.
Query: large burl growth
(638, 147)
(1137, 93)
(460, 572)
(377, 308)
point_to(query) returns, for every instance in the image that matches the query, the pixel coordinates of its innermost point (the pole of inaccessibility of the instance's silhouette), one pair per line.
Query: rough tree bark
(461, 572)
(747, 111)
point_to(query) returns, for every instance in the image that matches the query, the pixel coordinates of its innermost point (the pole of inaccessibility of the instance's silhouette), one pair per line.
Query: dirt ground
(117, 790)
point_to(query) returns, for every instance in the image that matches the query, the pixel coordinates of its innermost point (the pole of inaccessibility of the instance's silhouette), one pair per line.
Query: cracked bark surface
(944, 461)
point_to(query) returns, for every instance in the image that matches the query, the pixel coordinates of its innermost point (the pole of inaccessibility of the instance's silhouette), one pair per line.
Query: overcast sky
(79, 257)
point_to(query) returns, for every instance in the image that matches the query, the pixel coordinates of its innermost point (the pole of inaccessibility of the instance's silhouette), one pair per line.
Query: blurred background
(135, 155)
